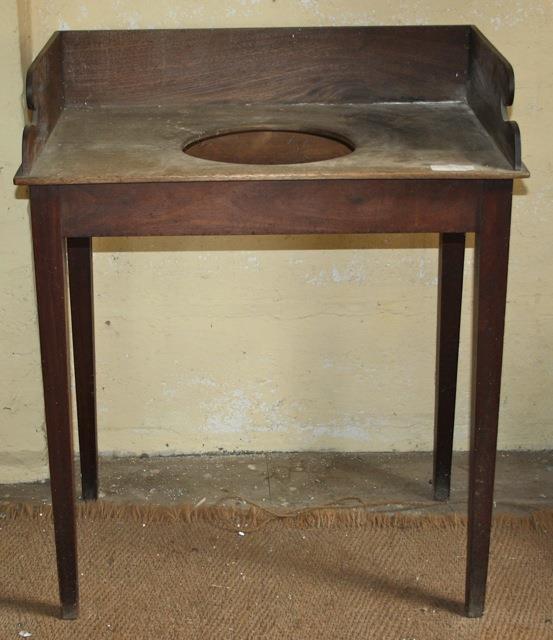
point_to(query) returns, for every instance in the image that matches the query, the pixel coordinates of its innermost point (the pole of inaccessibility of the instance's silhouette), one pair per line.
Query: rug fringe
(247, 516)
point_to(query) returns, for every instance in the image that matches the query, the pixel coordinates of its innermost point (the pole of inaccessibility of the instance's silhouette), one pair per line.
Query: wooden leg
(450, 292)
(49, 255)
(79, 254)
(491, 260)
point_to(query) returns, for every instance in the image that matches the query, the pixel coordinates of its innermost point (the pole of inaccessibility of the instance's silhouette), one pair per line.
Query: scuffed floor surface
(524, 480)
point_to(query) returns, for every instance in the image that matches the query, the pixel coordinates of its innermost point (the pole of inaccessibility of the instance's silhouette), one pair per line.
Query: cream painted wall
(266, 344)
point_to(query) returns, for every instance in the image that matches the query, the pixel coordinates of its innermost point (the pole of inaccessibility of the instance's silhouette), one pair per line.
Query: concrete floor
(399, 481)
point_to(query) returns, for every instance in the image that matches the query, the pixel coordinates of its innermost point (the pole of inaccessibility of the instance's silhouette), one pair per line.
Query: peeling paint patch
(353, 271)
(232, 413)
(202, 381)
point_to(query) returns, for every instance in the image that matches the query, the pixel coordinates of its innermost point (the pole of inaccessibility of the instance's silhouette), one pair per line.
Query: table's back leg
(49, 258)
(491, 261)
(79, 253)
(450, 291)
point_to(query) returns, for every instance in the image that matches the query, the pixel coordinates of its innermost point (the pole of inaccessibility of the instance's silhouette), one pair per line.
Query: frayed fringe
(248, 516)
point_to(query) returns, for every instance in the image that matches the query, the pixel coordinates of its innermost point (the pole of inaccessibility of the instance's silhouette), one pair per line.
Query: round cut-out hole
(269, 146)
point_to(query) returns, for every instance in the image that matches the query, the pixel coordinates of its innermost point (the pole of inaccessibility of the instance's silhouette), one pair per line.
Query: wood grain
(45, 97)
(285, 65)
(277, 207)
(423, 140)
(490, 90)
(79, 259)
(490, 292)
(50, 271)
(412, 97)
(450, 293)
(268, 147)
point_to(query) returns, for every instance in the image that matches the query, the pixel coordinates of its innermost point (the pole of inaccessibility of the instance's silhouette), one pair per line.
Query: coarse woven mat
(223, 573)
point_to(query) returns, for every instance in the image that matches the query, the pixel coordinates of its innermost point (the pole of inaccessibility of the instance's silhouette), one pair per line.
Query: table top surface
(145, 144)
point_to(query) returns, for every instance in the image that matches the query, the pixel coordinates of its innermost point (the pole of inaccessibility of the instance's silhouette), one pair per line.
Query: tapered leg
(491, 258)
(79, 254)
(450, 292)
(49, 255)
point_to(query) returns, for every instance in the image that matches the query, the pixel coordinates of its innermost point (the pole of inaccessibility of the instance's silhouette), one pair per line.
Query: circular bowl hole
(269, 146)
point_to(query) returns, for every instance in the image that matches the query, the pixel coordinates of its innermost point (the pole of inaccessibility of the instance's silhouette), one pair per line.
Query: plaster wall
(277, 343)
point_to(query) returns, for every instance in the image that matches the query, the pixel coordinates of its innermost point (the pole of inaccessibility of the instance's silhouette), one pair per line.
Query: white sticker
(452, 167)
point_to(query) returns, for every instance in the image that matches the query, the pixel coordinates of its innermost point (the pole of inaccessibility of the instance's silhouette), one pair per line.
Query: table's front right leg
(50, 267)
(490, 291)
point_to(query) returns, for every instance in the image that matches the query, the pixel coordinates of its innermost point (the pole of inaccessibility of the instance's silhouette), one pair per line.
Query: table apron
(269, 207)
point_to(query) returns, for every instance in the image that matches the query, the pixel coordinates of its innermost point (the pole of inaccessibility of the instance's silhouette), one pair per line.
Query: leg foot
(441, 490)
(473, 610)
(69, 611)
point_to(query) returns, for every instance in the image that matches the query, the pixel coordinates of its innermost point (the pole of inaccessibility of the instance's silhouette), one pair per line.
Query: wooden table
(348, 130)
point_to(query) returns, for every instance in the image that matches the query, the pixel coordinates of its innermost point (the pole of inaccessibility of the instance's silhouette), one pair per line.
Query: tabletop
(403, 102)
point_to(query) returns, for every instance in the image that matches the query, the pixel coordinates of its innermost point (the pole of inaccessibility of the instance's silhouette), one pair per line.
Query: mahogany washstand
(327, 130)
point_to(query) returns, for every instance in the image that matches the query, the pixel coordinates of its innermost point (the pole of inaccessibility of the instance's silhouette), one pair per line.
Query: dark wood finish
(490, 291)
(79, 254)
(416, 102)
(296, 206)
(268, 147)
(45, 98)
(49, 255)
(490, 90)
(424, 109)
(392, 140)
(450, 290)
(260, 65)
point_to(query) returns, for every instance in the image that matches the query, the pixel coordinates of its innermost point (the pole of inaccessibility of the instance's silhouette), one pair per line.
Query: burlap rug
(157, 573)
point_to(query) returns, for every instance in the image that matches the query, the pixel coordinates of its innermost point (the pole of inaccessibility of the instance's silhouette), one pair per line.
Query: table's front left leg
(79, 258)
(49, 259)
(490, 291)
